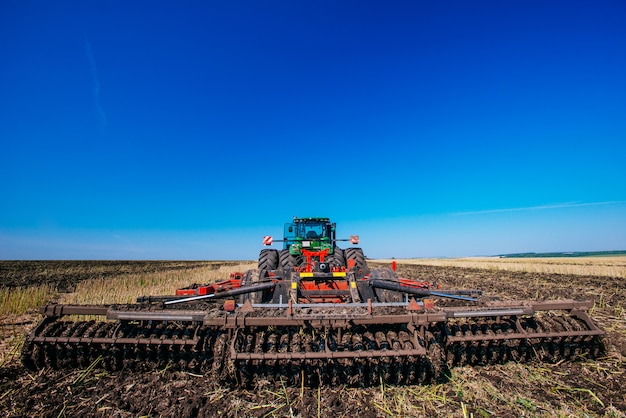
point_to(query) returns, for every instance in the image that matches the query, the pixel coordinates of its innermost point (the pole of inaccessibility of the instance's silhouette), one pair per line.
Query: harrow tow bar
(382, 284)
(452, 296)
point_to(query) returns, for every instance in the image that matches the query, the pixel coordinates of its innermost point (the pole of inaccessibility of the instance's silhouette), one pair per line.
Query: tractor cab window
(312, 231)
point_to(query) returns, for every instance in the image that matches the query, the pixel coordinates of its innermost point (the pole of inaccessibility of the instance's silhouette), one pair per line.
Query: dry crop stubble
(126, 288)
(583, 388)
(614, 266)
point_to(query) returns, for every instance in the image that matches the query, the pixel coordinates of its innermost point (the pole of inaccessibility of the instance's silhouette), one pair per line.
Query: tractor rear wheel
(360, 265)
(288, 261)
(337, 259)
(268, 259)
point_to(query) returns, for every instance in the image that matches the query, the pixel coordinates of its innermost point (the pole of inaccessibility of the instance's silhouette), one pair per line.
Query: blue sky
(155, 130)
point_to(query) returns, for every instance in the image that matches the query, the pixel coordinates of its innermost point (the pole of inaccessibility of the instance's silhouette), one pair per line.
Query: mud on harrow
(339, 326)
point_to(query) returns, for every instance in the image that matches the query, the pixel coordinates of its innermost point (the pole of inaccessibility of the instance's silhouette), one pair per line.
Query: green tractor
(312, 243)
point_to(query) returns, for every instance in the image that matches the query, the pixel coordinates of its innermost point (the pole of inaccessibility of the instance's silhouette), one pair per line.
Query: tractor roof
(306, 220)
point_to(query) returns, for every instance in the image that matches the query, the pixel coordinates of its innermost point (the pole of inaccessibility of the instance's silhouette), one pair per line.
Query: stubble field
(584, 387)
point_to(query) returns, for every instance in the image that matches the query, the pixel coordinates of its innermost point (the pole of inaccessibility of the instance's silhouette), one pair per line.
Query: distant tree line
(564, 254)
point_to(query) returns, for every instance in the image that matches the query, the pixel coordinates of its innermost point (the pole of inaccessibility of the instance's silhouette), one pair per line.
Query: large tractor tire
(360, 265)
(268, 260)
(337, 259)
(288, 261)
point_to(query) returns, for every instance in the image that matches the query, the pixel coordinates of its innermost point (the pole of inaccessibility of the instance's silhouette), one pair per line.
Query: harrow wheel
(251, 278)
(385, 295)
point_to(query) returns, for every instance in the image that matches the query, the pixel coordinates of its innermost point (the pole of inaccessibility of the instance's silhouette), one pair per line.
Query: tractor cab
(313, 234)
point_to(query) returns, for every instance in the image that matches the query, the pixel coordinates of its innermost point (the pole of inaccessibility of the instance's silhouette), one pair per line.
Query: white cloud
(101, 116)
(541, 207)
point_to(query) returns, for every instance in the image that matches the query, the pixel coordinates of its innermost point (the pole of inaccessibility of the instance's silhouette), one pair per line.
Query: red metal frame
(417, 284)
(206, 289)
(335, 283)
(310, 254)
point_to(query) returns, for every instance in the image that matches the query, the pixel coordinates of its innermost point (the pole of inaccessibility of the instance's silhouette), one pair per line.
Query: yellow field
(583, 266)
(127, 287)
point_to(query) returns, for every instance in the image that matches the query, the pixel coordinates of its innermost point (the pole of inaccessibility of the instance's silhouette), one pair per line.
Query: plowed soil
(580, 388)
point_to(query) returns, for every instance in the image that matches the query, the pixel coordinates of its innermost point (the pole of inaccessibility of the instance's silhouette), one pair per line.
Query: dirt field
(582, 388)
